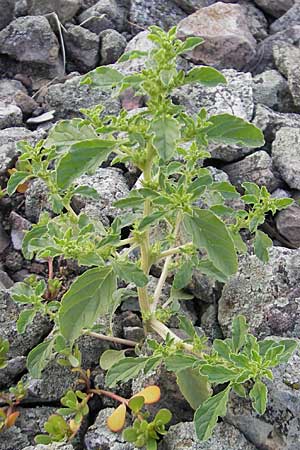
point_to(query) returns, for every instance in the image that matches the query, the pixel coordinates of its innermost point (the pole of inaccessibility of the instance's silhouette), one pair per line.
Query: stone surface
(4, 240)
(256, 168)
(26, 103)
(270, 121)
(18, 227)
(266, 294)
(68, 98)
(279, 427)
(10, 116)
(53, 446)
(286, 58)
(228, 41)
(285, 155)
(288, 224)
(275, 8)
(269, 88)
(82, 48)
(289, 19)
(65, 9)
(30, 39)
(8, 7)
(112, 46)
(103, 15)
(36, 200)
(225, 437)
(9, 88)
(256, 20)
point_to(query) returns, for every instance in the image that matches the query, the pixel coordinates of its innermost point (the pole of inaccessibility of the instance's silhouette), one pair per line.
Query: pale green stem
(163, 331)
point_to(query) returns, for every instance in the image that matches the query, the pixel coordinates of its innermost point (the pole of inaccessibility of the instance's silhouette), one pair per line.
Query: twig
(113, 339)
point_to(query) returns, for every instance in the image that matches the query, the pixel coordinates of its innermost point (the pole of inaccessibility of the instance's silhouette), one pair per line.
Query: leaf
(110, 357)
(130, 272)
(151, 394)
(116, 420)
(218, 374)
(25, 318)
(193, 386)
(68, 132)
(189, 44)
(164, 416)
(239, 332)
(103, 77)
(16, 179)
(38, 358)
(132, 201)
(124, 370)
(258, 395)
(282, 203)
(87, 191)
(209, 232)
(89, 296)
(176, 363)
(206, 416)
(228, 129)
(136, 403)
(262, 243)
(133, 54)
(205, 266)
(166, 133)
(207, 76)
(82, 157)
(151, 219)
(183, 275)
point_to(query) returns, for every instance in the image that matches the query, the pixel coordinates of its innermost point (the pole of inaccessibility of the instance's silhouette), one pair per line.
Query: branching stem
(113, 339)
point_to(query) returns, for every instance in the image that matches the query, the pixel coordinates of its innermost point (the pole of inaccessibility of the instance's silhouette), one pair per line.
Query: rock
(256, 168)
(53, 446)
(288, 224)
(28, 425)
(270, 121)
(257, 23)
(286, 58)
(225, 437)
(21, 8)
(13, 261)
(228, 42)
(14, 368)
(285, 155)
(236, 97)
(18, 227)
(269, 88)
(68, 98)
(5, 281)
(9, 88)
(191, 5)
(144, 13)
(10, 116)
(82, 49)
(4, 240)
(266, 294)
(275, 8)
(65, 9)
(279, 427)
(289, 19)
(30, 39)
(99, 436)
(26, 103)
(112, 46)
(105, 14)
(36, 200)
(111, 186)
(8, 7)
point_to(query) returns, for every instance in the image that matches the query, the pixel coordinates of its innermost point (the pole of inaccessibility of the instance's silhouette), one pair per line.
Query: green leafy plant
(179, 201)
(11, 400)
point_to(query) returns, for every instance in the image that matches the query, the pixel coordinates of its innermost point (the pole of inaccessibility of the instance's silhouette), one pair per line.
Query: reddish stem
(116, 397)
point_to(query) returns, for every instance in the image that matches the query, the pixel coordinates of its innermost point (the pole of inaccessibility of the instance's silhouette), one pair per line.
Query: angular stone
(112, 46)
(228, 42)
(82, 48)
(9, 88)
(275, 8)
(286, 58)
(266, 294)
(26, 103)
(4, 240)
(256, 20)
(65, 9)
(7, 17)
(256, 168)
(269, 88)
(53, 446)
(288, 224)
(289, 19)
(270, 121)
(10, 116)
(286, 155)
(30, 39)
(103, 15)
(19, 226)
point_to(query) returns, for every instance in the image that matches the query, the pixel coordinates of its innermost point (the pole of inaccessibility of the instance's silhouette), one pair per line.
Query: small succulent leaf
(136, 403)
(111, 357)
(164, 416)
(129, 435)
(116, 420)
(38, 358)
(262, 243)
(124, 370)
(193, 386)
(258, 395)
(207, 76)
(165, 135)
(151, 394)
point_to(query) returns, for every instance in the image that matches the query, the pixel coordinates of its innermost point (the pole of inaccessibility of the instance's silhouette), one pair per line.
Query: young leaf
(87, 191)
(176, 363)
(116, 420)
(262, 243)
(133, 54)
(166, 133)
(16, 179)
(38, 358)
(218, 374)
(68, 132)
(36, 232)
(25, 318)
(111, 357)
(239, 332)
(206, 416)
(103, 77)
(193, 386)
(130, 272)
(89, 296)
(189, 44)
(151, 394)
(124, 370)
(207, 76)
(183, 275)
(258, 395)
(136, 403)
(150, 220)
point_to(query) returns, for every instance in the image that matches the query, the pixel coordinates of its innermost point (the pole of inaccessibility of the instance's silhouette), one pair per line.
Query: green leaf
(189, 44)
(38, 358)
(25, 318)
(133, 54)
(164, 416)
(16, 179)
(68, 132)
(89, 296)
(282, 203)
(130, 272)
(205, 266)
(258, 395)
(132, 201)
(207, 76)
(124, 370)
(103, 77)
(87, 191)
(218, 374)
(193, 386)
(176, 363)
(150, 220)
(183, 275)
(209, 232)
(37, 231)
(262, 243)
(228, 129)
(81, 158)
(206, 416)
(166, 133)
(239, 332)
(136, 404)
(110, 357)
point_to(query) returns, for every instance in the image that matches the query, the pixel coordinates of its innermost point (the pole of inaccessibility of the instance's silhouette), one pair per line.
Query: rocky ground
(45, 45)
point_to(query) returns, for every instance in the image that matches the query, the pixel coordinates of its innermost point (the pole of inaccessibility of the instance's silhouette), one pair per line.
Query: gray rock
(103, 15)
(236, 97)
(26, 103)
(269, 88)
(10, 116)
(28, 425)
(112, 46)
(266, 294)
(99, 436)
(111, 186)
(270, 121)
(289, 19)
(82, 49)
(68, 98)
(18, 227)
(5, 281)
(14, 368)
(53, 446)
(257, 23)
(225, 437)
(228, 42)
(65, 9)
(279, 427)
(144, 13)
(8, 7)
(286, 58)
(288, 224)
(9, 88)
(256, 168)
(275, 8)
(30, 39)
(21, 8)
(36, 200)
(4, 240)
(192, 5)
(285, 155)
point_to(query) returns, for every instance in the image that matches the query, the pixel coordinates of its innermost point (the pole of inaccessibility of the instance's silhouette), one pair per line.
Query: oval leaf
(38, 358)
(193, 386)
(151, 394)
(207, 76)
(116, 420)
(111, 357)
